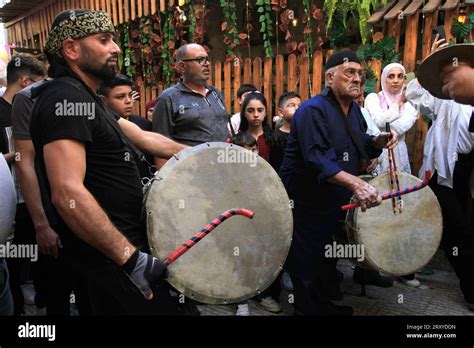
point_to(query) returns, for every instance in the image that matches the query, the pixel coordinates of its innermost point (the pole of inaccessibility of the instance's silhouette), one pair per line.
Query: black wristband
(129, 266)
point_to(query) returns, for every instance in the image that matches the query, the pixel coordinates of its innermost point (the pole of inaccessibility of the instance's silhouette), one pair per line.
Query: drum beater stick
(399, 193)
(393, 168)
(205, 231)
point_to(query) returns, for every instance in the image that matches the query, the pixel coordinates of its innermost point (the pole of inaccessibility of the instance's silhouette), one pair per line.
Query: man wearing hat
(326, 144)
(86, 170)
(448, 151)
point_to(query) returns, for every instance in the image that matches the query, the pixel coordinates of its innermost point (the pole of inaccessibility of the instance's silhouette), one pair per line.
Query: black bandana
(76, 24)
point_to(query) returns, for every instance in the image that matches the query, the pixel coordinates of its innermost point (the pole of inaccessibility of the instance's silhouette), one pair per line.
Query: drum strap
(77, 84)
(328, 94)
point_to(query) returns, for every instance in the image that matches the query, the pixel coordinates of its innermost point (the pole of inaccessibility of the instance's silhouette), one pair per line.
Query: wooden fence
(271, 75)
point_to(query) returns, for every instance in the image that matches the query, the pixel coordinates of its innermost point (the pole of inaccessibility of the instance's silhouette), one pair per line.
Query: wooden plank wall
(272, 76)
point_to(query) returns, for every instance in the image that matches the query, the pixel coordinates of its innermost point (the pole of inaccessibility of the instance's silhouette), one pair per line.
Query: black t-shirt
(278, 149)
(143, 168)
(5, 121)
(111, 174)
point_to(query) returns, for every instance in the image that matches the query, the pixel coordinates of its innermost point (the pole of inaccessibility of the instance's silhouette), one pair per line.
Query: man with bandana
(88, 177)
(319, 170)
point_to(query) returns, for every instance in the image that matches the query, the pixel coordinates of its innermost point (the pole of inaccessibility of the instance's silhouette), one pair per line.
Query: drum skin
(7, 200)
(402, 243)
(242, 256)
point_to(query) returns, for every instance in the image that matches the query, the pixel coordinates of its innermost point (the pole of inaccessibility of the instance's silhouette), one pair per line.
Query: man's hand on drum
(145, 271)
(385, 140)
(366, 194)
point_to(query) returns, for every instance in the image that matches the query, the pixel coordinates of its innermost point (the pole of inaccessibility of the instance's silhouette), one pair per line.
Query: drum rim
(161, 176)
(368, 262)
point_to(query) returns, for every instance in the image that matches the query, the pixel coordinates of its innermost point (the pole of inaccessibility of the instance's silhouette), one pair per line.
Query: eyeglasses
(33, 80)
(200, 60)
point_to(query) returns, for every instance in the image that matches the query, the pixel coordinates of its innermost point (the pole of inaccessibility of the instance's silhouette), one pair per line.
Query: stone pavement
(441, 296)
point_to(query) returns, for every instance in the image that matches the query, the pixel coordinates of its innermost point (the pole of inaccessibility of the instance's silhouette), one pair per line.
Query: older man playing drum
(325, 149)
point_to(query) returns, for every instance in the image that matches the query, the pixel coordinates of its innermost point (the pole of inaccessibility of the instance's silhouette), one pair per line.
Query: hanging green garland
(308, 30)
(266, 26)
(229, 28)
(361, 9)
(168, 47)
(192, 22)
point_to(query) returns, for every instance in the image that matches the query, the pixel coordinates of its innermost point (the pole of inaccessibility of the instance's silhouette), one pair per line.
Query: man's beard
(90, 66)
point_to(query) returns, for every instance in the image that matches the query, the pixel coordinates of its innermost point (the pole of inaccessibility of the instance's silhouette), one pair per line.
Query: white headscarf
(388, 99)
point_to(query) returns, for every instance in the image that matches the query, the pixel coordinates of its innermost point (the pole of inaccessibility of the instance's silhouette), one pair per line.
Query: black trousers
(51, 278)
(105, 289)
(458, 235)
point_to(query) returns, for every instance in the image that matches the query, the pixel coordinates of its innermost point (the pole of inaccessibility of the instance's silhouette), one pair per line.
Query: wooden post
(394, 31)
(431, 19)
(146, 7)
(449, 16)
(120, 11)
(153, 6)
(375, 64)
(248, 70)
(257, 73)
(267, 88)
(411, 36)
(142, 100)
(114, 12)
(279, 78)
(132, 10)
(140, 8)
(237, 73)
(162, 6)
(126, 10)
(317, 72)
(228, 85)
(218, 75)
(304, 77)
(292, 71)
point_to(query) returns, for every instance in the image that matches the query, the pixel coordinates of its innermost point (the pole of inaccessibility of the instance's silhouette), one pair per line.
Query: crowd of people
(81, 202)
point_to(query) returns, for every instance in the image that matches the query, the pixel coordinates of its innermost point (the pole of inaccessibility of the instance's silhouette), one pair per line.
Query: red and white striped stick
(172, 257)
(399, 193)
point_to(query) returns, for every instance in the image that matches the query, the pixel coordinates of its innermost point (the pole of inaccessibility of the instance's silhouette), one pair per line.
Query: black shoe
(335, 294)
(39, 301)
(188, 308)
(371, 277)
(330, 308)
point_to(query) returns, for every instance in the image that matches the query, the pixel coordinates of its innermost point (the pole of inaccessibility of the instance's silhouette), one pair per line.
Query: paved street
(440, 296)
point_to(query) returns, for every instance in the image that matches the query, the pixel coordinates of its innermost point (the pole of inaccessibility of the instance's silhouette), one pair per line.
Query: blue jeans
(6, 299)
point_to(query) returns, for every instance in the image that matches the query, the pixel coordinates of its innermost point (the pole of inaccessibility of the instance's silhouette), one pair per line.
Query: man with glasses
(322, 160)
(191, 112)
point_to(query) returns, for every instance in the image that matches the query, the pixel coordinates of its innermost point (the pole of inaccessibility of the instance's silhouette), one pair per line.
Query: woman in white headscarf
(390, 105)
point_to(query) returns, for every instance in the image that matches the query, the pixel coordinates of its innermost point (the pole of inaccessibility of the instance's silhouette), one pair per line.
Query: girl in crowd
(390, 105)
(254, 121)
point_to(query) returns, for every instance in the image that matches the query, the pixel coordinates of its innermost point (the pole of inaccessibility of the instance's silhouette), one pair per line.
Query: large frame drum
(242, 257)
(402, 243)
